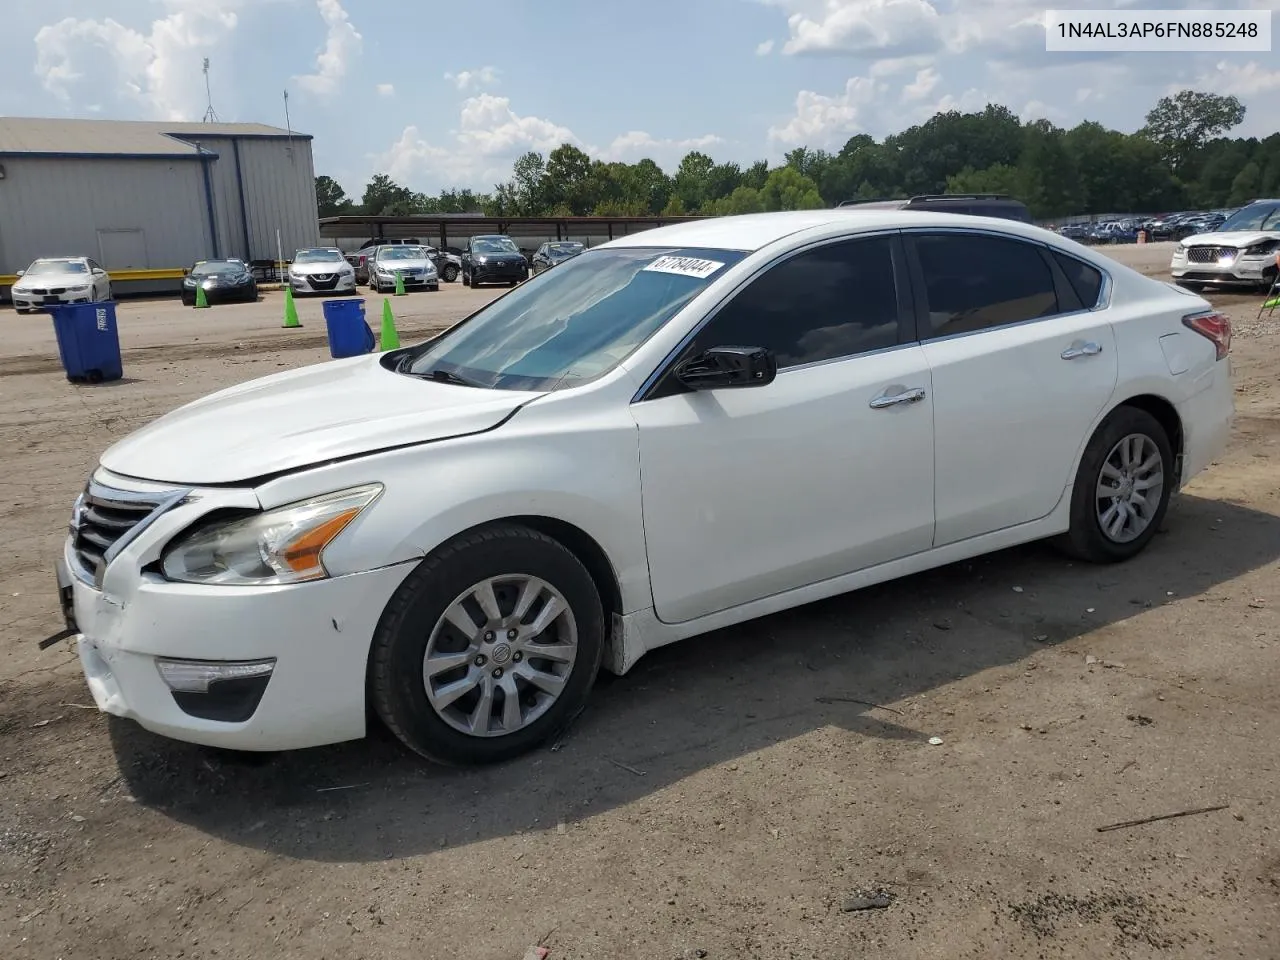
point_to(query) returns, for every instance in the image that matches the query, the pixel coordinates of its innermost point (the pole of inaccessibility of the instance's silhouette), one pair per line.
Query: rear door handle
(1078, 350)
(912, 395)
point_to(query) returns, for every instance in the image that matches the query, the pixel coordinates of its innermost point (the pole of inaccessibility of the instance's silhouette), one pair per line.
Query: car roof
(753, 231)
(58, 259)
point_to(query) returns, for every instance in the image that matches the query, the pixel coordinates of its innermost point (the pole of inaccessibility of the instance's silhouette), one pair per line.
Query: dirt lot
(727, 798)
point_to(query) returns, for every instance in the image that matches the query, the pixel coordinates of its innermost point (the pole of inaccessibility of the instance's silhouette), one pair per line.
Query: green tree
(568, 175)
(530, 185)
(331, 199)
(693, 180)
(384, 197)
(742, 200)
(1184, 123)
(1245, 185)
(788, 189)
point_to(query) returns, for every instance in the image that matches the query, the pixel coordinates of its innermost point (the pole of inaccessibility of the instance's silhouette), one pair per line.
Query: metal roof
(41, 136)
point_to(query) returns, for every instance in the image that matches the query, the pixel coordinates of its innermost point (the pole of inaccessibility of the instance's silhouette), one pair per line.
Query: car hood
(327, 266)
(1234, 238)
(391, 266)
(303, 417)
(53, 280)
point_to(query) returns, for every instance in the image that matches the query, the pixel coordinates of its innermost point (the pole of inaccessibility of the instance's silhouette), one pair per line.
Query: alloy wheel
(1130, 487)
(500, 655)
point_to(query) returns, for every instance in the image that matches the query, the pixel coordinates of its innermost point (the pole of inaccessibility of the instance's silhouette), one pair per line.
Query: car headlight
(1261, 249)
(285, 545)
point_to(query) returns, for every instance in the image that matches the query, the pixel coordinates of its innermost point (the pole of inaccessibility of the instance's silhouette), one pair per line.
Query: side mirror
(20, 273)
(728, 367)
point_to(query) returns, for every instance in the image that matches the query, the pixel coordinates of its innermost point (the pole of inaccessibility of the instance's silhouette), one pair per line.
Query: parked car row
(1172, 226)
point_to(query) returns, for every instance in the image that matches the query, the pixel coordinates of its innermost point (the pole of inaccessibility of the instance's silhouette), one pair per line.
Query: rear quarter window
(1085, 280)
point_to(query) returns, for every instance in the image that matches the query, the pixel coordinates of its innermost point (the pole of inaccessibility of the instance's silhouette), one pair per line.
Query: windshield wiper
(448, 376)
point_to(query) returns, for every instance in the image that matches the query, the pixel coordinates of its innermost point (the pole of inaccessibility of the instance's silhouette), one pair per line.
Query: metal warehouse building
(146, 199)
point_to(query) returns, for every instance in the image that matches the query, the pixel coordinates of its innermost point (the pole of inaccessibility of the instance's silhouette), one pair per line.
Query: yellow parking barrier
(119, 276)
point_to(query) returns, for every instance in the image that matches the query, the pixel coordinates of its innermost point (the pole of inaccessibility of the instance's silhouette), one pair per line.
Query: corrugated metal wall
(58, 207)
(280, 193)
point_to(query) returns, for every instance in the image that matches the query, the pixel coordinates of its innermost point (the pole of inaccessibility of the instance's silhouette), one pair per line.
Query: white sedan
(673, 432)
(51, 281)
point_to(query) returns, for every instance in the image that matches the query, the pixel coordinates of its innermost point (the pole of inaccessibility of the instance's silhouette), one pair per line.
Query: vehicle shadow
(693, 705)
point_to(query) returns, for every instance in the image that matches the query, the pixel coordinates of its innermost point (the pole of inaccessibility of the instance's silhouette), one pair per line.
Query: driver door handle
(1078, 350)
(885, 400)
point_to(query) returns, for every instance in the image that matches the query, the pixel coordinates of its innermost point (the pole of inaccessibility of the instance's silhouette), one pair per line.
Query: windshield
(317, 256)
(57, 266)
(494, 245)
(402, 253)
(1258, 216)
(564, 249)
(221, 268)
(574, 323)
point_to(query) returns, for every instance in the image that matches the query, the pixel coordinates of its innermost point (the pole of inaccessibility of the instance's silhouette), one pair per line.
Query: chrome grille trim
(106, 519)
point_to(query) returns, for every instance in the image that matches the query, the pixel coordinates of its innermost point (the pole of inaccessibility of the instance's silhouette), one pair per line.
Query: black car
(224, 281)
(493, 258)
(553, 252)
(974, 204)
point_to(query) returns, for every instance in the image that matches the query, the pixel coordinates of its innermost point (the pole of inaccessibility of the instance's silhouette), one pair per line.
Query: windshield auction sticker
(685, 266)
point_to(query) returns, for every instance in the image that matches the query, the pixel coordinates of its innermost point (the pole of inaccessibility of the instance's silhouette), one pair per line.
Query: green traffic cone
(390, 339)
(290, 311)
(399, 284)
(1271, 304)
(201, 299)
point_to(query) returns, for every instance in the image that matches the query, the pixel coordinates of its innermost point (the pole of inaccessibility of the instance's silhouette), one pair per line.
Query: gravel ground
(735, 796)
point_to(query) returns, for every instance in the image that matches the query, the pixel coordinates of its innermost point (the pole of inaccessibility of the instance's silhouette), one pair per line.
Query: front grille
(1209, 254)
(323, 281)
(105, 519)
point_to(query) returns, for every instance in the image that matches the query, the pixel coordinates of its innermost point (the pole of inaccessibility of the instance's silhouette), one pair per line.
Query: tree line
(1179, 160)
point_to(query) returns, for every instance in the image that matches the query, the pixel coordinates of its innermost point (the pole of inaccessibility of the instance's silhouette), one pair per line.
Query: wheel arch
(1166, 414)
(577, 541)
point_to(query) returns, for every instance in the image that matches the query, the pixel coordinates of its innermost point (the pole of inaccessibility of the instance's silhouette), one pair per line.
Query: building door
(124, 249)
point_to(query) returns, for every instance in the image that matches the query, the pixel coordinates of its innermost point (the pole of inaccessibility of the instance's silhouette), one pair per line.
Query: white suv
(670, 433)
(1245, 250)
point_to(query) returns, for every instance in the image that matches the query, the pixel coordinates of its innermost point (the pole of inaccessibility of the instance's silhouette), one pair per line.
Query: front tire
(449, 274)
(489, 648)
(1122, 488)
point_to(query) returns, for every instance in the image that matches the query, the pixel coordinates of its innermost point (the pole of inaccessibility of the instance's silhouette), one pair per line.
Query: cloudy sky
(446, 94)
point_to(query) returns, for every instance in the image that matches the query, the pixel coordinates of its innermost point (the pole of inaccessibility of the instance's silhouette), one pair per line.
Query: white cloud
(971, 101)
(764, 48)
(635, 143)
(386, 90)
(1240, 79)
(158, 70)
(885, 28)
(1039, 110)
(342, 45)
(489, 137)
(473, 79)
(822, 121)
(923, 84)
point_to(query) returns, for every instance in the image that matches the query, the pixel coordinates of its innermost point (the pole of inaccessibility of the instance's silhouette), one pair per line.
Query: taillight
(1215, 326)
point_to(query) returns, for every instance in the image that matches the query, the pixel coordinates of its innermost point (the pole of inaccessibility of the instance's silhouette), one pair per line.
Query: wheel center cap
(500, 654)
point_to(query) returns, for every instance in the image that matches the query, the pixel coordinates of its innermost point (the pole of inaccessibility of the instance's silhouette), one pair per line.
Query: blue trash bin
(349, 333)
(88, 341)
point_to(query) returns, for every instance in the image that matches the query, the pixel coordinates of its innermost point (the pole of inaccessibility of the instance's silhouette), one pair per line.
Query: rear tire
(434, 614)
(1129, 454)
(449, 274)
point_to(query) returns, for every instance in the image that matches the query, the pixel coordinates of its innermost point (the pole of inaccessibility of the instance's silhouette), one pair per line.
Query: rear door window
(975, 282)
(1085, 280)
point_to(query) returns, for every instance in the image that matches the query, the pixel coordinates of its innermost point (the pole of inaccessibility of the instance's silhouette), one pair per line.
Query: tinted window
(973, 282)
(1085, 280)
(573, 323)
(831, 302)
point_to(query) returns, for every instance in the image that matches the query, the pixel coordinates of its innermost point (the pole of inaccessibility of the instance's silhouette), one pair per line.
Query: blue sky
(447, 94)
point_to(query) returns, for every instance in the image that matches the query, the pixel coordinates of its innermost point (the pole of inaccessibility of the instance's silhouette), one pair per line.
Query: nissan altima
(673, 432)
